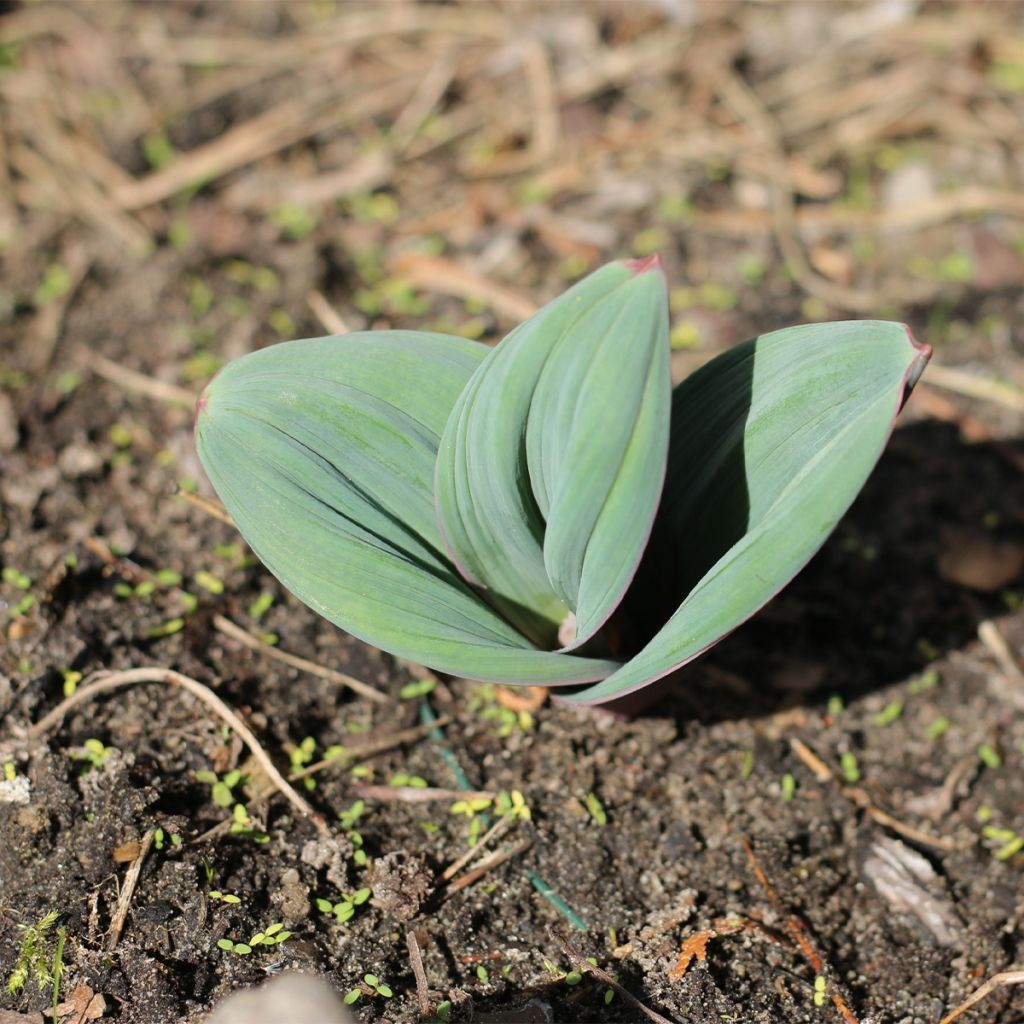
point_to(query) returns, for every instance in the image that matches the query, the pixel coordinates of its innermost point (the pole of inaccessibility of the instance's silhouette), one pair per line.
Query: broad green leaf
(323, 451)
(770, 444)
(552, 462)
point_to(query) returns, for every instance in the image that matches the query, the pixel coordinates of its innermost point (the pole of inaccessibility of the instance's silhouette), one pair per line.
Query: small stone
(288, 999)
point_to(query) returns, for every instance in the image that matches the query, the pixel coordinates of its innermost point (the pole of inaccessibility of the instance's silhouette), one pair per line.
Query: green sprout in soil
(92, 754)
(410, 781)
(161, 839)
(20, 581)
(419, 688)
(223, 897)
(512, 805)
(301, 756)
(596, 809)
(71, 679)
(348, 820)
(41, 956)
(787, 788)
(345, 908)
(989, 756)
(849, 767)
(889, 713)
(222, 788)
(272, 935)
(372, 986)
(601, 532)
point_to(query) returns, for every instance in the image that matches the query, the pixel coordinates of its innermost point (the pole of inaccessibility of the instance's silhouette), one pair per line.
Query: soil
(898, 879)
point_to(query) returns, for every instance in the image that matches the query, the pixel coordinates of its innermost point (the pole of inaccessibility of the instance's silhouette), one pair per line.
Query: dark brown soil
(871, 659)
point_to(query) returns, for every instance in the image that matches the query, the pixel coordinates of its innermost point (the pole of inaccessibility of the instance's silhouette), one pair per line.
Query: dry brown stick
(1000, 980)
(124, 899)
(583, 965)
(983, 388)
(860, 797)
(801, 936)
(228, 628)
(104, 682)
(210, 506)
(499, 828)
(416, 961)
(993, 639)
(436, 273)
(132, 380)
(487, 864)
(326, 313)
(751, 112)
(281, 126)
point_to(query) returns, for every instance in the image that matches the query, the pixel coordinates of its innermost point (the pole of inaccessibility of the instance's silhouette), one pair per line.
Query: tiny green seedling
(222, 788)
(371, 986)
(223, 897)
(345, 908)
(300, 757)
(92, 754)
(550, 511)
(408, 781)
(348, 820)
(272, 935)
(596, 809)
(512, 805)
(419, 688)
(161, 839)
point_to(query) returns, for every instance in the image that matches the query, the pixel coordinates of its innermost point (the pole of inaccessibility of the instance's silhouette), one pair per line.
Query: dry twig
(416, 961)
(800, 934)
(1002, 980)
(229, 628)
(107, 681)
(124, 900)
(860, 797)
(583, 965)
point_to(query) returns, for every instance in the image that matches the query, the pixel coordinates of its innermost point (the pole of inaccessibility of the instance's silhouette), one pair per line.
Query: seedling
(596, 809)
(412, 781)
(224, 897)
(272, 935)
(372, 986)
(93, 753)
(419, 688)
(551, 511)
(348, 819)
(221, 789)
(161, 839)
(301, 756)
(512, 805)
(345, 908)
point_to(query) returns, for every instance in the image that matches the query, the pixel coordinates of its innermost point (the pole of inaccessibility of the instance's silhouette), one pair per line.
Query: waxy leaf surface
(323, 451)
(770, 444)
(552, 463)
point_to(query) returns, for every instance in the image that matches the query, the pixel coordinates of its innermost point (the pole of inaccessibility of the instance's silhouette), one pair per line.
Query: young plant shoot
(551, 511)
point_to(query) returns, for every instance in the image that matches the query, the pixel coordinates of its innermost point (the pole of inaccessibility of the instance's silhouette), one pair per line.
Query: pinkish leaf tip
(645, 263)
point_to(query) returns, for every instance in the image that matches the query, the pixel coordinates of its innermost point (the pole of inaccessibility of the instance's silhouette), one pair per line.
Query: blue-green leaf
(551, 465)
(770, 444)
(323, 451)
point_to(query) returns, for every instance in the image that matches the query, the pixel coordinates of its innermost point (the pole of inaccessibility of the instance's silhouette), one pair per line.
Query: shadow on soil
(872, 607)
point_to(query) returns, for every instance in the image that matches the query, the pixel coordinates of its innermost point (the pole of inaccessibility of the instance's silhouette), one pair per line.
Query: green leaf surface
(770, 444)
(552, 462)
(323, 451)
